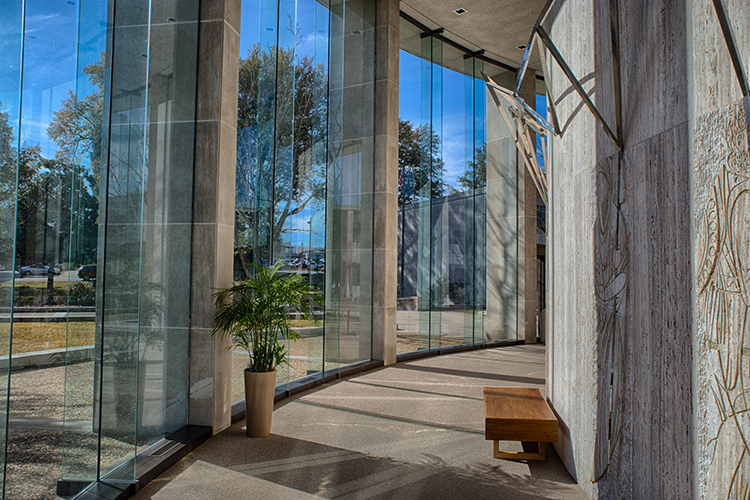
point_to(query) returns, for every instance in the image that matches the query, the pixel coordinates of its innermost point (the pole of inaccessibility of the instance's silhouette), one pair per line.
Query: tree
(476, 175)
(7, 189)
(77, 125)
(77, 130)
(24, 185)
(421, 169)
(281, 153)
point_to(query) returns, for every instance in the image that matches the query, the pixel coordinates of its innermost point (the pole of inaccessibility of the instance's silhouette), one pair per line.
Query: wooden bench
(518, 414)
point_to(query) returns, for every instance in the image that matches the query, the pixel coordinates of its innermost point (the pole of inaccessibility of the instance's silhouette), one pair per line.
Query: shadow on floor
(409, 431)
(471, 374)
(331, 472)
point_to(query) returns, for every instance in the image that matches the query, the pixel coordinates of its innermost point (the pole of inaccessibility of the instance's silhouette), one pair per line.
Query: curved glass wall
(304, 169)
(97, 118)
(457, 241)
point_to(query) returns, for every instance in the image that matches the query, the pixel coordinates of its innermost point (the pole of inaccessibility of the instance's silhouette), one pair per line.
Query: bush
(80, 294)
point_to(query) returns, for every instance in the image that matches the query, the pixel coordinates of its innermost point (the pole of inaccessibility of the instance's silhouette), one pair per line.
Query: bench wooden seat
(518, 414)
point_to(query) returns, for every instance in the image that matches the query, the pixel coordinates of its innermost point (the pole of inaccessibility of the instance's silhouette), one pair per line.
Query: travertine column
(527, 195)
(213, 209)
(385, 187)
(621, 351)
(502, 232)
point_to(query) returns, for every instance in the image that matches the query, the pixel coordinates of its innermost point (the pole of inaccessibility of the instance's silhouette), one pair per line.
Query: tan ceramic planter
(259, 390)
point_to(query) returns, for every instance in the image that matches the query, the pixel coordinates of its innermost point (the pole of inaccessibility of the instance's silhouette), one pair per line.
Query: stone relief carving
(722, 256)
(611, 261)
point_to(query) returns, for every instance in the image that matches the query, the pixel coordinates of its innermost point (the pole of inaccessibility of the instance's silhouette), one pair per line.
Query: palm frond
(256, 314)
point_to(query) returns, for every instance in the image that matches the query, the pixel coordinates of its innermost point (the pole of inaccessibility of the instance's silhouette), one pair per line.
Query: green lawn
(29, 337)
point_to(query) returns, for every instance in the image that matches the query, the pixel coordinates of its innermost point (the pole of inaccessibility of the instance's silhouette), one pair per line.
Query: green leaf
(256, 314)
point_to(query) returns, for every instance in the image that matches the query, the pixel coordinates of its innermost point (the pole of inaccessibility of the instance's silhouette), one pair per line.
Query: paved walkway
(409, 431)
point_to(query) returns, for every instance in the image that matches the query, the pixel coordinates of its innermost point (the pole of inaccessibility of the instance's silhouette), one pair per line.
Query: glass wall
(304, 168)
(97, 119)
(457, 274)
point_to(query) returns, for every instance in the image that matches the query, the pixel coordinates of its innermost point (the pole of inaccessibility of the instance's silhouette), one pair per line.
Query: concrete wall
(621, 308)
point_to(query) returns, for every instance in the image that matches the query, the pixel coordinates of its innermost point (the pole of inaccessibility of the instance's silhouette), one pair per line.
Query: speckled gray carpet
(409, 431)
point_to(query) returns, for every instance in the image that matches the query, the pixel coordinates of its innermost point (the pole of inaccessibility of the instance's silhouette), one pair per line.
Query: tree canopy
(421, 169)
(281, 150)
(476, 173)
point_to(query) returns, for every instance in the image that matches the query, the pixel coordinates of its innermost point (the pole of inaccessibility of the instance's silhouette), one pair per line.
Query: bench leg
(518, 455)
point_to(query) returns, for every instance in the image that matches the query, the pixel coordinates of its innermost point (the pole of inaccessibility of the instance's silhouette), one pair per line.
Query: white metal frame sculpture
(522, 120)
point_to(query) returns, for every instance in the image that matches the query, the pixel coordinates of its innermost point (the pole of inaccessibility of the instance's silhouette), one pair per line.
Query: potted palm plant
(256, 313)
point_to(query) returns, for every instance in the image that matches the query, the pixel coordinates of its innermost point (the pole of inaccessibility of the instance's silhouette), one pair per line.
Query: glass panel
(478, 171)
(316, 228)
(433, 153)
(41, 230)
(424, 195)
(349, 189)
(165, 268)
(11, 45)
(84, 153)
(453, 254)
(501, 229)
(412, 321)
(334, 215)
(124, 189)
(446, 227)
(148, 233)
(255, 150)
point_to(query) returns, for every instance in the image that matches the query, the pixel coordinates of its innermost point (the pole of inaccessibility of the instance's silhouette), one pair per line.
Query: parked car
(36, 269)
(87, 272)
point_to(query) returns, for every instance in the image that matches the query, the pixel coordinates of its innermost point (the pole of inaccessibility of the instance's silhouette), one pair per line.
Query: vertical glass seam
(190, 261)
(429, 218)
(272, 210)
(325, 194)
(144, 188)
(15, 242)
(475, 285)
(103, 257)
(70, 240)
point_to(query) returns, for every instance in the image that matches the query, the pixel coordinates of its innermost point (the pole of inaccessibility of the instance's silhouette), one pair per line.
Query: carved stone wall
(722, 258)
(720, 192)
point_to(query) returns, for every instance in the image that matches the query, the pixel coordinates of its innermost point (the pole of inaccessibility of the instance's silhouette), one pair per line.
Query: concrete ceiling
(497, 26)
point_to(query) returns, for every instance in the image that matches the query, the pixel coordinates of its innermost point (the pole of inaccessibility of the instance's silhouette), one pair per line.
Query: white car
(36, 269)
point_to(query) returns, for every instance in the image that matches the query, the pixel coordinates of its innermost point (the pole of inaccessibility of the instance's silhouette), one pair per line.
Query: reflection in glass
(303, 160)
(96, 145)
(448, 242)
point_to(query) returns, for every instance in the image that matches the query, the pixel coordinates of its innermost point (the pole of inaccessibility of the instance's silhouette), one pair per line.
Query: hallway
(413, 430)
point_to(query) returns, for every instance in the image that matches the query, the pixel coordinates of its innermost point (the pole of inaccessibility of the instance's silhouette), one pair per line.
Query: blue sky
(451, 120)
(52, 60)
(452, 126)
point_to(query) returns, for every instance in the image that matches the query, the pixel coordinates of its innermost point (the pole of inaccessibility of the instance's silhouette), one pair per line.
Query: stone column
(385, 187)
(504, 266)
(213, 209)
(527, 195)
